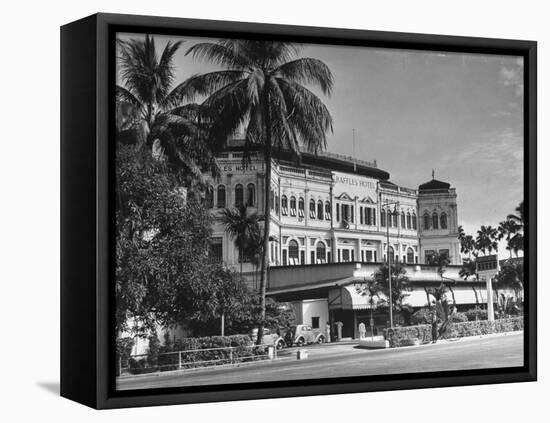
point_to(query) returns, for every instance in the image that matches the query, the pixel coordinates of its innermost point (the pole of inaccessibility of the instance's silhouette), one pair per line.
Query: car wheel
(280, 345)
(300, 342)
(321, 340)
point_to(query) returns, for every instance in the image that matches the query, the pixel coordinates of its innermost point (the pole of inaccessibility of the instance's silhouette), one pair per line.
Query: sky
(413, 111)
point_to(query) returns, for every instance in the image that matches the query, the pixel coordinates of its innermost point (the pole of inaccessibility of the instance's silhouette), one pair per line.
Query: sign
(354, 186)
(487, 264)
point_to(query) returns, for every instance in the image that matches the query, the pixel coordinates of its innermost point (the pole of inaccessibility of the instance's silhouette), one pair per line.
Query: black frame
(87, 95)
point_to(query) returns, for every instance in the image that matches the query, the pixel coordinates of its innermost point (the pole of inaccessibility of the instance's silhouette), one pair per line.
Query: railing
(345, 158)
(293, 170)
(197, 358)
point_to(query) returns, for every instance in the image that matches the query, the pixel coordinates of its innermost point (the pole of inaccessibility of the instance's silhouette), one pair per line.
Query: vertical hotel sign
(354, 186)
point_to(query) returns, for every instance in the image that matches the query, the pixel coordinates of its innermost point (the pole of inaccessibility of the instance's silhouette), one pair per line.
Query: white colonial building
(335, 209)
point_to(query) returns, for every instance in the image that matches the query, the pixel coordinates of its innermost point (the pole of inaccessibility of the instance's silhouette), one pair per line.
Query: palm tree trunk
(267, 219)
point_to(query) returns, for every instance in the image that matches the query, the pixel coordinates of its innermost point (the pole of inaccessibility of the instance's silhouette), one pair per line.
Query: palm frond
(307, 71)
(223, 53)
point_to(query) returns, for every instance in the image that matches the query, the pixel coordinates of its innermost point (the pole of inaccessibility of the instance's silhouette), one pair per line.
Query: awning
(348, 298)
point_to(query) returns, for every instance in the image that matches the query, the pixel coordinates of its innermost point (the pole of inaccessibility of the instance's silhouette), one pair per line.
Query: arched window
(394, 218)
(327, 210)
(293, 206)
(408, 220)
(238, 195)
(221, 196)
(312, 208)
(301, 207)
(293, 252)
(410, 255)
(443, 221)
(426, 221)
(250, 195)
(403, 224)
(284, 205)
(320, 210)
(435, 221)
(209, 196)
(414, 221)
(321, 252)
(392, 253)
(383, 218)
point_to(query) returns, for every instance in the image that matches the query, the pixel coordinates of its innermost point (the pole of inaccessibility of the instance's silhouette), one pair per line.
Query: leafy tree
(511, 276)
(400, 285)
(150, 113)
(261, 86)
(442, 261)
(506, 230)
(163, 274)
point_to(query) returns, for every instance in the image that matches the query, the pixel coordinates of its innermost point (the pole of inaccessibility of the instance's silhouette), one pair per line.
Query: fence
(189, 359)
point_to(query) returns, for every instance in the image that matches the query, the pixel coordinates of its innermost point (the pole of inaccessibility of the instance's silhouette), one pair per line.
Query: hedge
(423, 317)
(167, 357)
(405, 336)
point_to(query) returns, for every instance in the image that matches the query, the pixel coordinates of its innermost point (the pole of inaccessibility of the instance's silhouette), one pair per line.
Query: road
(333, 360)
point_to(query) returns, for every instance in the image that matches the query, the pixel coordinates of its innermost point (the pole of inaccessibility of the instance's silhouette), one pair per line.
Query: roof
(434, 184)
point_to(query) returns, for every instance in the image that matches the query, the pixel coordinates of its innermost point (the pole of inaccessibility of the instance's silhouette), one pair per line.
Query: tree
(400, 285)
(506, 230)
(261, 87)
(243, 227)
(373, 289)
(442, 261)
(149, 113)
(511, 276)
(486, 240)
(163, 274)
(515, 243)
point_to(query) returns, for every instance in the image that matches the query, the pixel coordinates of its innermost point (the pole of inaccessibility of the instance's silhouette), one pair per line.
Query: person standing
(362, 330)
(327, 332)
(434, 327)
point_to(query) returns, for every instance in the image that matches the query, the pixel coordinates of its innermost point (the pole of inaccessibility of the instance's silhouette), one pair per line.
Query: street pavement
(333, 360)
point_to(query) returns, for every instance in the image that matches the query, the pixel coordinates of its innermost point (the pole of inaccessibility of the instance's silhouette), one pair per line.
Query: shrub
(458, 317)
(123, 350)
(476, 314)
(421, 317)
(403, 336)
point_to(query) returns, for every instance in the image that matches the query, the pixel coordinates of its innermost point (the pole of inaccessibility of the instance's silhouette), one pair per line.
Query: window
(435, 221)
(285, 260)
(345, 213)
(312, 209)
(383, 218)
(250, 195)
(293, 206)
(443, 221)
(361, 220)
(277, 204)
(302, 257)
(293, 252)
(389, 218)
(327, 211)
(216, 250)
(414, 223)
(391, 253)
(403, 224)
(410, 255)
(345, 255)
(352, 215)
(321, 252)
(368, 215)
(338, 212)
(428, 256)
(373, 217)
(444, 253)
(312, 257)
(315, 322)
(209, 197)
(221, 196)
(284, 205)
(272, 200)
(394, 218)
(238, 195)
(368, 254)
(408, 220)
(426, 221)
(301, 207)
(320, 210)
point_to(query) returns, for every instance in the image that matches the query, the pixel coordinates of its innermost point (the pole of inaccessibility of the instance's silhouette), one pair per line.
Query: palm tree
(243, 227)
(506, 230)
(400, 285)
(515, 243)
(261, 87)
(150, 113)
(373, 289)
(442, 261)
(486, 239)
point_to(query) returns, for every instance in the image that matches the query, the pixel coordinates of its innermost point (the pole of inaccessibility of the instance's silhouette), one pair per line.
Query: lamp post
(387, 204)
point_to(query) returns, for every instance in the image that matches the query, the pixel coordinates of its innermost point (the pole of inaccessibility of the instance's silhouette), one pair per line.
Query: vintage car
(303, 335)
(270, 338)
